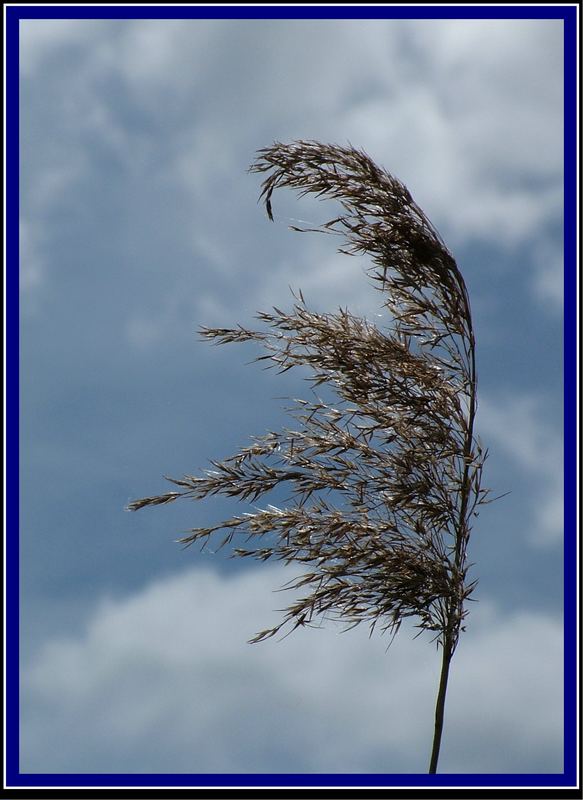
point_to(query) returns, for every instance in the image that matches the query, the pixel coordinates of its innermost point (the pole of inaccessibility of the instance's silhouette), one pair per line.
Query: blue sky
(138, 224)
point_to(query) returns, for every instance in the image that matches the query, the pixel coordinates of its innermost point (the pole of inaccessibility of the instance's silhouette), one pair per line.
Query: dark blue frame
(570, 778)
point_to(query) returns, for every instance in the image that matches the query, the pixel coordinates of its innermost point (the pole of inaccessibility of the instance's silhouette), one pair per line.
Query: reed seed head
(384, 480)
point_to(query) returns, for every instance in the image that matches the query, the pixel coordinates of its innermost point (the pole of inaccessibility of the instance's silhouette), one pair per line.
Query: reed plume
(385, 479)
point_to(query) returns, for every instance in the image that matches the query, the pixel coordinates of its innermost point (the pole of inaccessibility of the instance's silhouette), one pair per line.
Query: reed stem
(440, 707)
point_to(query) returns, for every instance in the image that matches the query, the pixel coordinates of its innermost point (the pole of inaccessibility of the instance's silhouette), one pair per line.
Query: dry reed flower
(384, 482)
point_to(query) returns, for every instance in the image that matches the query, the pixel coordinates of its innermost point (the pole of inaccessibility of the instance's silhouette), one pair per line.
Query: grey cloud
(468, 113)
(163, 681)
(521, 427)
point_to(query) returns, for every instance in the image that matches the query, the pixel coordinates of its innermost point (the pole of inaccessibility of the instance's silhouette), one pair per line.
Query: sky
(139, 223)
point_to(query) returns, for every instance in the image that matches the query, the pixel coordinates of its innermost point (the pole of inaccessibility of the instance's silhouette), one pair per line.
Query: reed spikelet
(385, 480)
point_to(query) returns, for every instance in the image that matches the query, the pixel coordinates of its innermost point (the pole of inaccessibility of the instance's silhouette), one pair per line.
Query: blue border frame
(568, 13)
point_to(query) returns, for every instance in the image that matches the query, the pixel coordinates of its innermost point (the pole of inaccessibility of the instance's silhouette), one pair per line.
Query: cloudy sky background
(138, 224)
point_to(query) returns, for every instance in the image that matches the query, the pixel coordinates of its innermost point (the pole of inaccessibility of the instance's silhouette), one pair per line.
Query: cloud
(467, 112)
(550, 276)
(162, 681)
(472, 119)
(158, 56)
(31, 265)
(520, 427)
(46, 191)
(40, 39)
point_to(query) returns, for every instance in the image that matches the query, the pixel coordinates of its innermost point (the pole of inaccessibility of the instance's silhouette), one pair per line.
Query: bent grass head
(383, 480)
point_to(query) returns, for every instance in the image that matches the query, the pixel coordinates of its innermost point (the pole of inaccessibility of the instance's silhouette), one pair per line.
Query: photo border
(446, 784)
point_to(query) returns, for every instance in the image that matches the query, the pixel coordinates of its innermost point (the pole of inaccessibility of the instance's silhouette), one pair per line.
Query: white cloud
(468, 113)
(155, 53)
(471, 117)
(328, 279)
(163, 681)
(463, 107)
(520, 427)
(500, 84)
